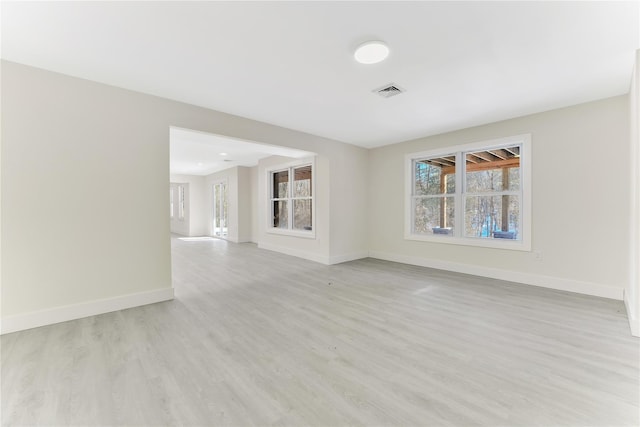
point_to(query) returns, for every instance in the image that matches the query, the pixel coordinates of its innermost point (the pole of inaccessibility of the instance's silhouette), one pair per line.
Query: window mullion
(495, 193)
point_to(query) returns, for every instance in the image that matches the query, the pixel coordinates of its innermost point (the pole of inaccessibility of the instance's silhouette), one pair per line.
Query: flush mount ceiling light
(223, 154)
(371, 52)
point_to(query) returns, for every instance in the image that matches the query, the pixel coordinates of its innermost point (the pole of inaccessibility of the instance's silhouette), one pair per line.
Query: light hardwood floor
(258, 338)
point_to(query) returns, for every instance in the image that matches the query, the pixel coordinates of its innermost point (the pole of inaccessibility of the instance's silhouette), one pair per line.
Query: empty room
(310, 213)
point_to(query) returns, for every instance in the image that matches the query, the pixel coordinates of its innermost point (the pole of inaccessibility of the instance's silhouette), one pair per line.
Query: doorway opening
(220, 215)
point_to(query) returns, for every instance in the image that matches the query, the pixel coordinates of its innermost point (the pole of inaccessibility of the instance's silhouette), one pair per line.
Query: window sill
(292, 233)
(513, 245)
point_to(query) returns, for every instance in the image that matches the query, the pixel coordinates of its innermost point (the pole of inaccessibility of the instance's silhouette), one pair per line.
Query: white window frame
(524, 242)
(309, 234)
(171, 202)
(182, 202)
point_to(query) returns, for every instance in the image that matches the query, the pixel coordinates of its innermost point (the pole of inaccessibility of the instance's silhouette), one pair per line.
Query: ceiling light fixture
(371, 52)
(200, 164)
(223, 154)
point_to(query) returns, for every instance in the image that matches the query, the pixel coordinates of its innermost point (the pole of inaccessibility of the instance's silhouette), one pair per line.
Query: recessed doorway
(220, 199)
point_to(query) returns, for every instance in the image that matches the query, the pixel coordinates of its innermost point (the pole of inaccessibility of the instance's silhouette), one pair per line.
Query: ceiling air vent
(387, 91)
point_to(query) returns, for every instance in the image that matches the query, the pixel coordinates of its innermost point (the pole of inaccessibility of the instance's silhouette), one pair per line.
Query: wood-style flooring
(259, 338)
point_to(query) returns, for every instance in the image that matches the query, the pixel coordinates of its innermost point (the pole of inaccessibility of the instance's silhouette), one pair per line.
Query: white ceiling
(198, 153)
(291, 64)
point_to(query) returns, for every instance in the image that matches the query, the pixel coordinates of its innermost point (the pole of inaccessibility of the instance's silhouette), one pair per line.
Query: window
(180, 202)
(477, 194)
(291, 200)
(171, 201)
(220, 198)
(433, 195)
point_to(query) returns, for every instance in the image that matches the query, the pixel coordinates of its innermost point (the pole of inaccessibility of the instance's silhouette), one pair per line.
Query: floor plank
(259, 338)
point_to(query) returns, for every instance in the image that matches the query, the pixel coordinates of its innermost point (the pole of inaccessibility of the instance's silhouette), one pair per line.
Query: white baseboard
(294, 252)
(634, 322)
(587, 288)
(337, 259)
(326, 260)
(65, 313)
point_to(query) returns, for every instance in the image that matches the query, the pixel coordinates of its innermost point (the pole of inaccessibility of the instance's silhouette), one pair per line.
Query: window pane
(434, 176)
(217, 198)
(484, 181)
(514, 179)
(492, 217)
(280, 214)
(493, 180)
(493, 170)
(302, 214)
(280, 184)
(181, 202)
(302, 182)
(434, 215)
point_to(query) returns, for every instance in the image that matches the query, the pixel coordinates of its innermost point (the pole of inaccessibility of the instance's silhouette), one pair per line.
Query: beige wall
(239, 203)
(349, 205)
(179, 225)
(632, 291)
(85, 168)
(253, 188)
(580, 218)
(341, 207)
(196, 224)
(244, 204)
(230, 176)
(84, 176)
(316, 249)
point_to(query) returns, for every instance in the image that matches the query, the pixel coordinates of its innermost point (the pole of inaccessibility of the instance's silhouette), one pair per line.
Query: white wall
(580, 221)
(341, 206)
(632, 290)
(230, 176)
(238, 179)
(244, 204)
(253, 188)
(177, 224)
(349, 205)
(67, 242)
(317, 248)
(196, 224)
(84, 194)
(61, 261)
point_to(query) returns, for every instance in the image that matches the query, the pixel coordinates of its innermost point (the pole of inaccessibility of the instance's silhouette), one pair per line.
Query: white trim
(587, 288)
(515, 245)
(326, 260)
(311, 234)
(292, 233)
(182, 204)
(64, 313)
(634, 324)
(296, 253)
